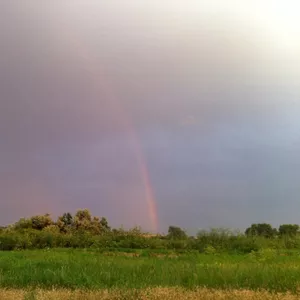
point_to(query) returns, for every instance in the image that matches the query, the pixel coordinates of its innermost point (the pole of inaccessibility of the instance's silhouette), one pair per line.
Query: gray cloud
(77, 79)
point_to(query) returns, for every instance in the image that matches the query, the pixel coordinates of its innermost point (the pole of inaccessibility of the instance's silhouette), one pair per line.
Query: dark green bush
(8, 242)
(243, 245)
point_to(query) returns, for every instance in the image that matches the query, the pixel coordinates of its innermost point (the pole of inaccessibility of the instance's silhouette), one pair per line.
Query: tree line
(84, 222)
(82, 230)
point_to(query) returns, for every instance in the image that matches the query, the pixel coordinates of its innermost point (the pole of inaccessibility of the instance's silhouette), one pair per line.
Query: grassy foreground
(151, 294)
(79, 274)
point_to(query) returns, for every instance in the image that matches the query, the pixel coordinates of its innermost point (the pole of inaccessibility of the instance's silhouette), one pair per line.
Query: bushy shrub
(177, 244)
(290, 242)
(263, 255)
(243, 245)
(40, 222)
(52, 229)
(210, 250)
(8, 242)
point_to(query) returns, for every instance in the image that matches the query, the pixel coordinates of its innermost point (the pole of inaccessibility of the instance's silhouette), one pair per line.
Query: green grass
(79, 269)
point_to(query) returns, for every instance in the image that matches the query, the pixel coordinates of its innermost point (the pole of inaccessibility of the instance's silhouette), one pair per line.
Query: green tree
(176, 233)
(65, 222)
(83, 219)
(67, 219)
(261, 229)
(104, 224)
(40, 222)
(83, 215)
(288, 229)
(23, 223)
(95, 226)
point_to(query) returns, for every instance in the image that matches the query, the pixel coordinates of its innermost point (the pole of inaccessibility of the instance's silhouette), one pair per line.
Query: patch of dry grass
(151, 294)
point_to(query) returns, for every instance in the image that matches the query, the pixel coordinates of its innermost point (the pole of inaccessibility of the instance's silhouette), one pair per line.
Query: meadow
(91, 274)
(82, 257)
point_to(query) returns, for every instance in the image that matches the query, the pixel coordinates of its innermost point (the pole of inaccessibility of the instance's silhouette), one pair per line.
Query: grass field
(129, 276)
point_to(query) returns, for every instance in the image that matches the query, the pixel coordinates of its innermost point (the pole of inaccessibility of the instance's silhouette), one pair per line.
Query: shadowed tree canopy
(262, 229)
(67, 219)
(104, 224)
(176, 233)
(288, 229)
(41, 222)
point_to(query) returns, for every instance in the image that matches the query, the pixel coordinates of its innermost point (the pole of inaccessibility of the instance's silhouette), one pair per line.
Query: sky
(151, 113)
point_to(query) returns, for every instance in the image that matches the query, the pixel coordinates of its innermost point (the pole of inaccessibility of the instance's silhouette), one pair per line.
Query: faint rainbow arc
(141, 161)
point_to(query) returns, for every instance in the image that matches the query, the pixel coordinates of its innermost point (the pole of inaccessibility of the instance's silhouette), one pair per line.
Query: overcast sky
(206, 93)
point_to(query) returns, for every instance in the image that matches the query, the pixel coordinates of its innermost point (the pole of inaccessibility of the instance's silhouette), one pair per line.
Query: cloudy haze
(206, 94)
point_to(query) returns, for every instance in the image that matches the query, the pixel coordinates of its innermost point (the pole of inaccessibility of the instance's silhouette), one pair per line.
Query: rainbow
(132, 133)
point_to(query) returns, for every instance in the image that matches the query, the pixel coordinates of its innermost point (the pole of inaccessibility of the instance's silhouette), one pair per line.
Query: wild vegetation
(86, 231)
(96, 270)
(82, 257)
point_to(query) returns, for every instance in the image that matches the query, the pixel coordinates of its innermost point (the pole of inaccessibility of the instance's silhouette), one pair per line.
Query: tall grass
(78, 269)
